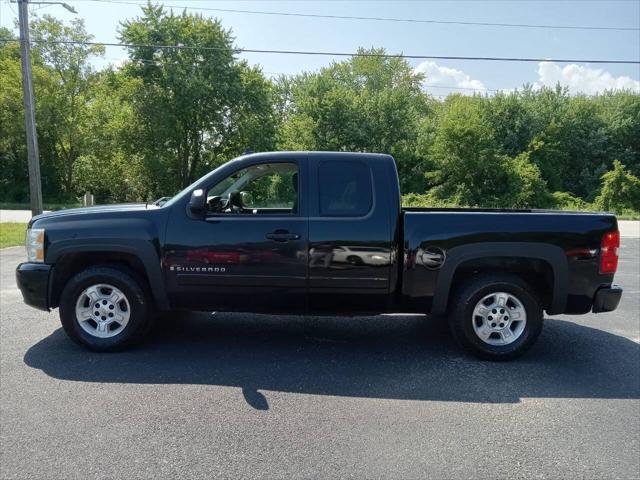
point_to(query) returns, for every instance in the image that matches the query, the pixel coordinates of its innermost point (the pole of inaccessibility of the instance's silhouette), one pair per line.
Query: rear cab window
(344, 188)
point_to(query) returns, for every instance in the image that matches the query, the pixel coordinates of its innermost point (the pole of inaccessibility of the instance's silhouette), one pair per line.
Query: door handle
(282, 236)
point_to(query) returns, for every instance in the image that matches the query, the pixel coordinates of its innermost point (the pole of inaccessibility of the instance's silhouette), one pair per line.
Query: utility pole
(35, 184)
(35, 188)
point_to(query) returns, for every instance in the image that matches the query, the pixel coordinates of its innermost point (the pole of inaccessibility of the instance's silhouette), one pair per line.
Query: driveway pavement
(629, 228)
(16, 216)
(236, 395)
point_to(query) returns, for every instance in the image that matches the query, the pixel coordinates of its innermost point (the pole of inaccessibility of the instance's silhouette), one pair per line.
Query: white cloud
(437, 77)
(581, 79)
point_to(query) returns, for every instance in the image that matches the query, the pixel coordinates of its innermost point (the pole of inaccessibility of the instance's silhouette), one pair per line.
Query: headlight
(35, 244)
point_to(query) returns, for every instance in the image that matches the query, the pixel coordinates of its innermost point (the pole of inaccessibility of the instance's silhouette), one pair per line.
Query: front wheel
(496, 316)
(105, 309)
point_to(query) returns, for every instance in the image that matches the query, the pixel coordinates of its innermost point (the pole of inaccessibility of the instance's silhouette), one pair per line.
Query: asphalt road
(378, 397)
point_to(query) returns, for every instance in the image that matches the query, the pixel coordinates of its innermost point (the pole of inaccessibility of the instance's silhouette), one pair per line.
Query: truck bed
(571, 242)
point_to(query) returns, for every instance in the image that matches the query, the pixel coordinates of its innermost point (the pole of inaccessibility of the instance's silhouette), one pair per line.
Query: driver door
(249, 253)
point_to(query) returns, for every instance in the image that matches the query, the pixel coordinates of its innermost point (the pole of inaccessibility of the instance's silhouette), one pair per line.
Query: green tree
(569, 141)
(196, 104)
(65, 96)
(13, 156)
(620, 190)
(168, 115)
(111, 168)
(620, 114)
(525, 186)
(513, 122)
(13, 175)
(365, 104)
(471, 168)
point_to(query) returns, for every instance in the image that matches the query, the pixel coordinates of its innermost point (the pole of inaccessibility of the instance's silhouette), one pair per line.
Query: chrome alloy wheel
(102, 310)
(499, 318)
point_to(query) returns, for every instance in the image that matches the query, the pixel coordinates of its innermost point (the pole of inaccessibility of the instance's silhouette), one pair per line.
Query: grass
(12, 234)
(46, 206)
(628, 217)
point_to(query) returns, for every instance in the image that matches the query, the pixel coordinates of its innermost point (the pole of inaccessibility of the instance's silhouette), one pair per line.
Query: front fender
(141, 242)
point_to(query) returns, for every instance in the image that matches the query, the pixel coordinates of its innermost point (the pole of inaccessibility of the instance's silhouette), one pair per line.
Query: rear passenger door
(349, 234)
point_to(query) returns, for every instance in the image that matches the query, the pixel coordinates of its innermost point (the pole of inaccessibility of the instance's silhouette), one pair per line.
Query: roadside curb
(9, 248)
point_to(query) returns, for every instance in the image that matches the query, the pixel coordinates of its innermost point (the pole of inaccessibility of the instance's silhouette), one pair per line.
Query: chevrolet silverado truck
(317, 233)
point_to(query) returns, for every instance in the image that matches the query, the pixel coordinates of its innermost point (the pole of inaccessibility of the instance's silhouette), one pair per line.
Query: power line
(335, 54)
(386, 19)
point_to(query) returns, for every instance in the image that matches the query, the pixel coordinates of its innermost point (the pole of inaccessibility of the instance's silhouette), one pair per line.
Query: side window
(259, 189)
(344, 188)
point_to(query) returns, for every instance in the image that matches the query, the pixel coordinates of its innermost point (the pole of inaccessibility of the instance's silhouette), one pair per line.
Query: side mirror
(197, 201)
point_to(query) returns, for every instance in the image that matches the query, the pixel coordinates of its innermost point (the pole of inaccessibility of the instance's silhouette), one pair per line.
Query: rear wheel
(105, 309)
(496, 316)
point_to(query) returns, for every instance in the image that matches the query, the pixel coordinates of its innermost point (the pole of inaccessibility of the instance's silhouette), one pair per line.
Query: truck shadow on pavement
(387, 357)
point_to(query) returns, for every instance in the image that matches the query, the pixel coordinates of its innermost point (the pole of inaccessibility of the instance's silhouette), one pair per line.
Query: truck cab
(302, 233)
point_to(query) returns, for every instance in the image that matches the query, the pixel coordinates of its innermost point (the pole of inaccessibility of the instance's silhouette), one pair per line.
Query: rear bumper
(33, 282)
(607, 299)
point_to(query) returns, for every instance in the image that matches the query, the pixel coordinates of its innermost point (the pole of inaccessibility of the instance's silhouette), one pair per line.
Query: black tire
(355, 260)
(134, 288)
(463, 303)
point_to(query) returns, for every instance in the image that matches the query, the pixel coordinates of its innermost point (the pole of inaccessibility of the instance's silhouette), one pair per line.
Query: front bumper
(33, 282)
(607, 299)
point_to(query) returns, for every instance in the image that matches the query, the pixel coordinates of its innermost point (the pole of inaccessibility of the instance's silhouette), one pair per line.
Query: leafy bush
(566, 201)
(620, 190)
(525, 187)
(426, 201)
(118, 179)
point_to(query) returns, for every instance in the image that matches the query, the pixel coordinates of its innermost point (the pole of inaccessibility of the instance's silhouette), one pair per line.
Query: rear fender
(551, 254)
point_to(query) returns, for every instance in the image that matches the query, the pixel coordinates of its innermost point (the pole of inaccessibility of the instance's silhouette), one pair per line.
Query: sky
(442, 76)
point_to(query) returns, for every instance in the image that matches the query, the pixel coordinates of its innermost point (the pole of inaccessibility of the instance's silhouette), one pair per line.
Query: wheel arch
(137, 255)
(550, 256)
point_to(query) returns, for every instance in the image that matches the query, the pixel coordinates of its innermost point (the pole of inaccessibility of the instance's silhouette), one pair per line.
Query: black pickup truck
(317, 233)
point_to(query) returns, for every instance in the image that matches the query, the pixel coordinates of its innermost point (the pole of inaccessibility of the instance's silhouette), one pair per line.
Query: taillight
(609, 252)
